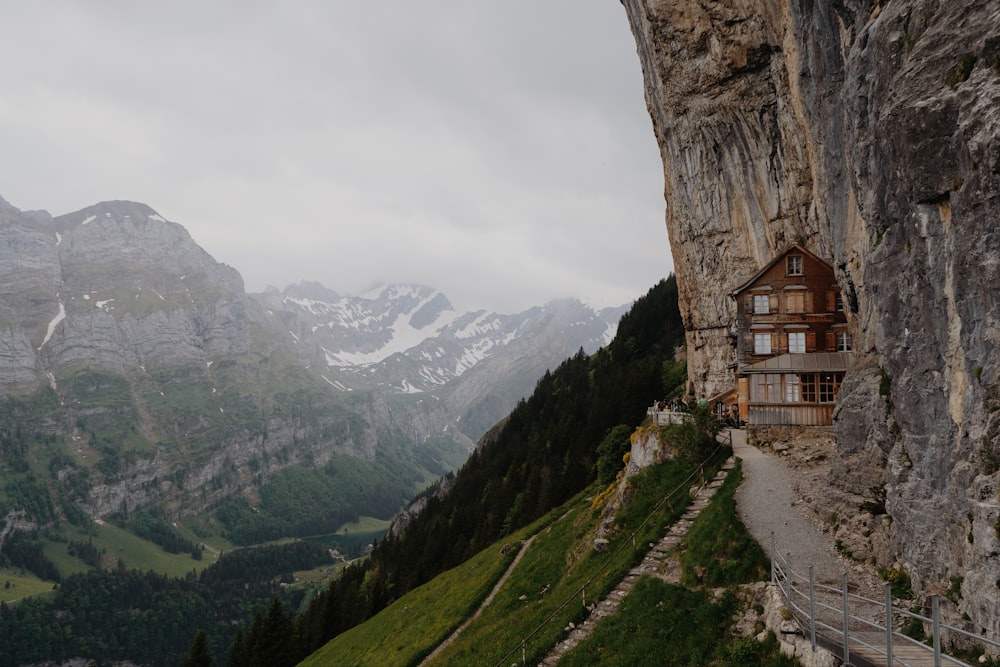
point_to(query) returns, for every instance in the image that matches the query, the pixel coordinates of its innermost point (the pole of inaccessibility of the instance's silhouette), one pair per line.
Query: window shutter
(779, 343)
(831, 341)
(749, 304)
(809, 302)
(773, 302)
(831, 301)
(810, 341)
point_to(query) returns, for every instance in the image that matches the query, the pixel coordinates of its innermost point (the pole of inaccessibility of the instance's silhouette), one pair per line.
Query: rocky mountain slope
(135, 371)
(408, 339)
(870, 133)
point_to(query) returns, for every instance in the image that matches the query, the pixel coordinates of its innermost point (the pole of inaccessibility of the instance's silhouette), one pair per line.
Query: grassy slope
(566, 561)
(657, 624)
(411, 628)
(137, 553)
(550, 575)
(22, 584)
(661, 623)
(141, 554)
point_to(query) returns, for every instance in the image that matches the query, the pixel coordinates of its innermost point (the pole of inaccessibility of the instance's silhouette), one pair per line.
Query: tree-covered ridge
(150, 618)
(545, 452)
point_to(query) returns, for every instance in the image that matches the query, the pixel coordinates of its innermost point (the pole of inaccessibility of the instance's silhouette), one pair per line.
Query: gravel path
(767, 504)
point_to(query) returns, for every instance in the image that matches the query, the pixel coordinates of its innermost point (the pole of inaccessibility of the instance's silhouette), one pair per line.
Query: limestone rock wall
(867, 131)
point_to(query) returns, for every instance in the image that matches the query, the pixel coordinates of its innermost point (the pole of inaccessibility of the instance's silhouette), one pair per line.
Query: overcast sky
(498, 151)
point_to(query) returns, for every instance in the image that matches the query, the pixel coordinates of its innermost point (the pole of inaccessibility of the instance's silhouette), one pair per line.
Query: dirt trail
(486, 602)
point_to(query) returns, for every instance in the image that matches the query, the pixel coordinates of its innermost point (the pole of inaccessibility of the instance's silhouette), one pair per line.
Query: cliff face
(870, 133)
(122, 337)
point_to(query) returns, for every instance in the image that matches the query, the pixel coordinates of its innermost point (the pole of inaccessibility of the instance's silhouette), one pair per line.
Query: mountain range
(136, 371)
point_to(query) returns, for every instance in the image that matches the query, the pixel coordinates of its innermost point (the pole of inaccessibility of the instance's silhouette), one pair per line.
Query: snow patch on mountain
(409, 339)
(60, 316)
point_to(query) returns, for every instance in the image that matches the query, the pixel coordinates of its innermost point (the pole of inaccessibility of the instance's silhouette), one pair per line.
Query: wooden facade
(793, 344)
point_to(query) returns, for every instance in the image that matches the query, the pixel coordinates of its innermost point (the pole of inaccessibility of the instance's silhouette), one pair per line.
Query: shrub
(962, 71)
(900, 583)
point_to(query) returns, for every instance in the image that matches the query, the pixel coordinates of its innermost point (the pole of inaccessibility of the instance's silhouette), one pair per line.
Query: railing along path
(860, 630)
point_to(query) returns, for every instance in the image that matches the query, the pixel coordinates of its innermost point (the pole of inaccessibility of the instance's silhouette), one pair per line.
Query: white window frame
(793, 389)
(797, 342)
(843, 341)
(762, 343)
(794, 265)
(761, 304)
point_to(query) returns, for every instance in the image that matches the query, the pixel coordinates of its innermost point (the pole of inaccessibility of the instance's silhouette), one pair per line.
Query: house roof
(811, 362)
(777, 258)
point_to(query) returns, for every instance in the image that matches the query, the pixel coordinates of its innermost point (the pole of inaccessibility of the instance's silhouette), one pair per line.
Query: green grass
(410, 628)
(720, 551)
(138, 554)
(666, 624)
(659, 623)
(58, 553)
(366, 524)
(204, 530)
(141, 554)
(560, 561)
(22, 585)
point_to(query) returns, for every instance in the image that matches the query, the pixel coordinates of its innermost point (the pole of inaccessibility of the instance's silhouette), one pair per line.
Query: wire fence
(863, 631)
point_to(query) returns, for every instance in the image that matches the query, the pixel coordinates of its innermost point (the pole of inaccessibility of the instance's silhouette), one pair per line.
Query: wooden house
(792, 344)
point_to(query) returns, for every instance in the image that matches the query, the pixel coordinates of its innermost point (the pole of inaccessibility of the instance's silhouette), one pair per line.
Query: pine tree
(239, 655)
(273, 640)
(199, 656)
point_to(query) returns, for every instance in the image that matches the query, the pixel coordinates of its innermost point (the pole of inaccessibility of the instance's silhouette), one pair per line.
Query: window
(795, 265)
(838, 302)
(828, 386)
(795, 302)
(797, 342)
(843, 341)
(792, 389)
(772, 388)
(808, 383)
(765, 388)
(762, 343)
(761, 304)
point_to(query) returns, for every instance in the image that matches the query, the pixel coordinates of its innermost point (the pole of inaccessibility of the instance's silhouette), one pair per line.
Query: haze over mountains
(153, 376)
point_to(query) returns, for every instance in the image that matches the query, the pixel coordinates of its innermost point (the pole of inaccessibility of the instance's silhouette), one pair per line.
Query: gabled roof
(777, 258)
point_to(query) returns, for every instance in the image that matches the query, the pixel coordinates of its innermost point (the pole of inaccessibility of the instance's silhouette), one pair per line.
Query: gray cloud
(500, 152)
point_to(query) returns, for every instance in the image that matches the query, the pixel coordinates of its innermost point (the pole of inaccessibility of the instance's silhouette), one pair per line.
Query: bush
(694, 439)
(613, 447)
(900, 583)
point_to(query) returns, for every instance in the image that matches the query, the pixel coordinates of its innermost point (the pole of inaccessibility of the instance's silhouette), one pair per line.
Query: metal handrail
(798, 590)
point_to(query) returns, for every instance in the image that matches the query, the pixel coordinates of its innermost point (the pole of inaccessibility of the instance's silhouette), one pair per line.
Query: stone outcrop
(868, 132)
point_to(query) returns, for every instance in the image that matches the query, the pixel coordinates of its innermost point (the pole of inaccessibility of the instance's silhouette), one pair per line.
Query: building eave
(809, 362)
